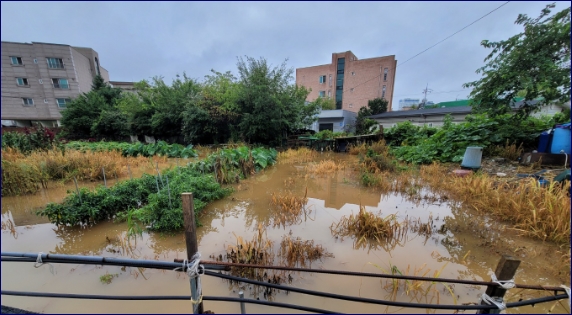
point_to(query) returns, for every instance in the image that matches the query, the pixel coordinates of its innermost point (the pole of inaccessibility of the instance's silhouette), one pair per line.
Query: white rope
(505, 284)
(567, 289)
(194, 270)
(491, 301)
(40, 263)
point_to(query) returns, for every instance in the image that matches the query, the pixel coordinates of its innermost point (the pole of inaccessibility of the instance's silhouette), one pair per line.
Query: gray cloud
(139, 40)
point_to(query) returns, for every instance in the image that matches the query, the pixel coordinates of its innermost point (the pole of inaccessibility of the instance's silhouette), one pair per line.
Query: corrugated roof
(454, 103)
(425, 112)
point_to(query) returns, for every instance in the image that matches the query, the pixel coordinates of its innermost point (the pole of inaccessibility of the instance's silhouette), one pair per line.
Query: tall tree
(84, 112)
(269, 104)
(534, 64)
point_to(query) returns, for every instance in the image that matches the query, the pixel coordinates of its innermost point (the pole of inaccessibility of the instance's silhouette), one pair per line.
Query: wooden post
(77, 188)
(191, 241)
(506, 269)
(104, 180)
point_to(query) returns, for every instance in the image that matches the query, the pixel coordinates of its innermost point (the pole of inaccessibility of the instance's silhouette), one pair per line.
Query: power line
(482, 17)
(378, 76)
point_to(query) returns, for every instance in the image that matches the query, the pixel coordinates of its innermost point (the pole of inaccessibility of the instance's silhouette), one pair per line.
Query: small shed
(334, 120)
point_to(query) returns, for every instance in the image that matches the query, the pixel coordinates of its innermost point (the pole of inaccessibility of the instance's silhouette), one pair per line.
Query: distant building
(406, 103)
(351, 82)
(458, 110)
(125, 86)
(40, 79)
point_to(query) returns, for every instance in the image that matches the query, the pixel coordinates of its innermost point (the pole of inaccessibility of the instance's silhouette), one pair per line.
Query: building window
(62, 102)
(55, 63)
(322, 93)
(97, 66)
(385, 74)
(322, 79)
(330, 80)
(28, 101)
(383, 92)
(329, 93)
(22, 81)
(340, 82)
(60, 83)
(16, 61)
(353, 73)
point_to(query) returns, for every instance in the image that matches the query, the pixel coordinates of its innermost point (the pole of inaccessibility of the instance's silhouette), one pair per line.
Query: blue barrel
(472, 158)
(561, 139)
(544, 142)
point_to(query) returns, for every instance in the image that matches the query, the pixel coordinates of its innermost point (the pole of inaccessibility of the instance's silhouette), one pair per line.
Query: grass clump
(366, 226)
(24, 174)
(325, 167)
(508, 151)
(297, 252)
(288, 208)
(539, 212)
(300, 155)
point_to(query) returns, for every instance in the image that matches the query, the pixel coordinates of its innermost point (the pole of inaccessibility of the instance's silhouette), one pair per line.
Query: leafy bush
(157, 201)
(449, 143)
(160, 148)
(36, 138)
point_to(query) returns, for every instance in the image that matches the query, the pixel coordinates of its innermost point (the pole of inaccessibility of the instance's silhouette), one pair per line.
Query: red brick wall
(367, 81)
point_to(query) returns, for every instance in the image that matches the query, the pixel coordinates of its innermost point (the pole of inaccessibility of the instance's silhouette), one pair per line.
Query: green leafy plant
(156, 202)
(160, 148)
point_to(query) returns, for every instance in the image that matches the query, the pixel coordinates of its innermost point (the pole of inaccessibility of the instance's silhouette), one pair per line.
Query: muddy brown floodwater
(468, 248)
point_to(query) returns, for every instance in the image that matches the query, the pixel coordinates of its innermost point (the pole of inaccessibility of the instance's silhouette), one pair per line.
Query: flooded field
(440, 240)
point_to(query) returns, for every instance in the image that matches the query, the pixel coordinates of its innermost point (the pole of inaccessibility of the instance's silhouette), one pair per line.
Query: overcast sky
(139, 40)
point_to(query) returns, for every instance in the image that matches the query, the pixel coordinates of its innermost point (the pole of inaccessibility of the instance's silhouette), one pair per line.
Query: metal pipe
(378, 275)
(242, 305)
(95, 260)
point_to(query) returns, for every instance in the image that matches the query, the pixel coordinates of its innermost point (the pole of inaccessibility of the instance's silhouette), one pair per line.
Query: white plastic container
(472, 158)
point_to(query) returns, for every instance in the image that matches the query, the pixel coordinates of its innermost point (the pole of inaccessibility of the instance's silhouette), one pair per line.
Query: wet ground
(462, 245)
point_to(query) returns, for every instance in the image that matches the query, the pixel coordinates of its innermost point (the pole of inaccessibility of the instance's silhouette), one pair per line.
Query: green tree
(83, 112)
(79, 115)
(377, 105)
(534, 64)
(168, 104)
(324, 103)
(364, 124)
(110, 94)
(111, 125)
(268, 103)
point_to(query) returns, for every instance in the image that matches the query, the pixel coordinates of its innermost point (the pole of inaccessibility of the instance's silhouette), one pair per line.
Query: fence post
(77, 188)
(191, 242)
(242, 306)
(104, 180)
(506, 270)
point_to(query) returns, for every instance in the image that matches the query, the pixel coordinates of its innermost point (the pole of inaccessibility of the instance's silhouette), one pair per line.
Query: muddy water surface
(467, 247)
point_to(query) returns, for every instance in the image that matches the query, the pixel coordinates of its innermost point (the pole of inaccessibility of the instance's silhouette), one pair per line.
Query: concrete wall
(339, 118)
(363, 80)
(77, 70)
(40, 89)
(83, 70)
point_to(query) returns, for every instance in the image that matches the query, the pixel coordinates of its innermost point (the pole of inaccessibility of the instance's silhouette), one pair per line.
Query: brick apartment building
(350, 81)
(39, 79)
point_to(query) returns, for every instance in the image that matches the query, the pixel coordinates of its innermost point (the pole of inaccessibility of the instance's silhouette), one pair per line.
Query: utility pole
(425, 91)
